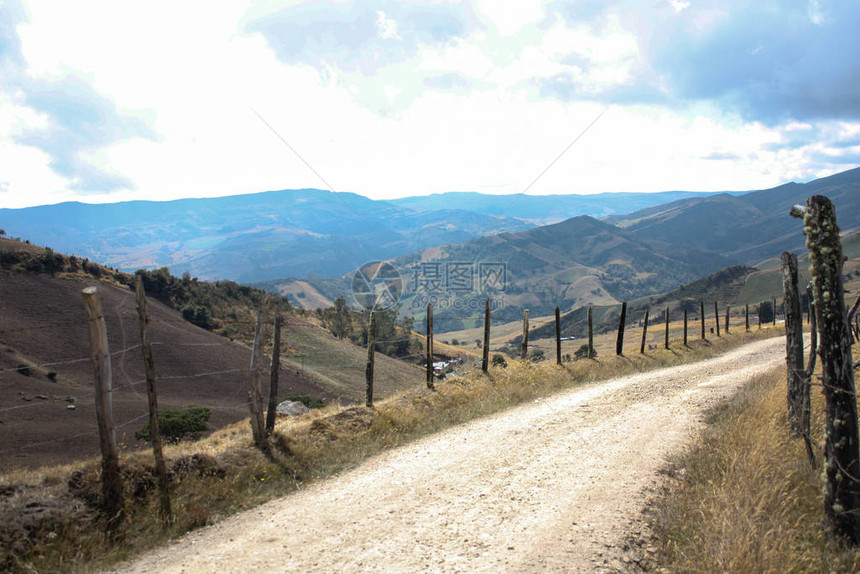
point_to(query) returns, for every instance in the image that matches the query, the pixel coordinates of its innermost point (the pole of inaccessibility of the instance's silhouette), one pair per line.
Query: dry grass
(224, 474)
(746, 498)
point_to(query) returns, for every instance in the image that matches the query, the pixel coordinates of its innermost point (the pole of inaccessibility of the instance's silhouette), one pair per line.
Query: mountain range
(584, 261)
(296, 233)
(307, 243)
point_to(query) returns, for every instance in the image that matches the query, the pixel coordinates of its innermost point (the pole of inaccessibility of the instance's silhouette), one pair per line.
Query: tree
(2, 233)
(342, 321)
(582, 353)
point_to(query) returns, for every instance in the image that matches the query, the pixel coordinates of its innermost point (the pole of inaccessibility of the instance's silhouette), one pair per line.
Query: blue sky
(106, 101)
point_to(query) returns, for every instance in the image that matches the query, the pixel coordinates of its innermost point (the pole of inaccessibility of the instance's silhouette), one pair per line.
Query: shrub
(499, 361)
(23, 370)
(537, 355)
(582, 353)
(307, 400)
(176, 424)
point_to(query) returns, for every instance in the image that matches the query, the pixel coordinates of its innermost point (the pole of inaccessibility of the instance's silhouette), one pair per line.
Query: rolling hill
(250, 237)
(544, 209)
(47, 412)
(745, 228)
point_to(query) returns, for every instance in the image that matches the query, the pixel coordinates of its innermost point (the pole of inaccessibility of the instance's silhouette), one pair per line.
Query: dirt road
(550, 486)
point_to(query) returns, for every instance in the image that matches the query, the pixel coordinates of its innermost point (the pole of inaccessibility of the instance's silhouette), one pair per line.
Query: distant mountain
(583, 261)
(746, 228)
(580, 261)
(248, 237)
(544, 209)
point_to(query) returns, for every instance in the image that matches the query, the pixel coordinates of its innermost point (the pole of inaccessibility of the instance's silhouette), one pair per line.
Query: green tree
(342, 321)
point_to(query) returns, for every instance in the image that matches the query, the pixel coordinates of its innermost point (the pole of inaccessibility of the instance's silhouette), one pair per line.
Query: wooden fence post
(685, 327)
(793, 342)
(728, 311)
(760, 309)
(644, 334)
(371, 355)
(100, 355)
(272, 413)
(702, 316)
(525, 353)
(666, 343)
(557, 336)
(164, 510)
(619, 342)
(841, 448)
(429, 346)
(255, 394)
(747, 315)
(717, 317)
(590, 336)
(485, 361)
(774, 310)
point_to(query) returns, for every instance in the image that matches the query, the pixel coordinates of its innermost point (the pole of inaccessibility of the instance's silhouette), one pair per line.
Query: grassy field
(746, 499)
(223, 474)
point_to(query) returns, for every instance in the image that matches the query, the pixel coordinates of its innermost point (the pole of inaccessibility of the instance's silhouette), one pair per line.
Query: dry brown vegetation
(746, 498)
(224, 474)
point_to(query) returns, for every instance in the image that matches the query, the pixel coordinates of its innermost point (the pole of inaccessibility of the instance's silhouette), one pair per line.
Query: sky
(113, 101)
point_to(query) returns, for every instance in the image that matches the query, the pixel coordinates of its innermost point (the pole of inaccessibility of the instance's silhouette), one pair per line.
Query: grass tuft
(746, 498)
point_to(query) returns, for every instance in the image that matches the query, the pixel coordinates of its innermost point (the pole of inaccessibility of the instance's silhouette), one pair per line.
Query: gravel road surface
(551, 486)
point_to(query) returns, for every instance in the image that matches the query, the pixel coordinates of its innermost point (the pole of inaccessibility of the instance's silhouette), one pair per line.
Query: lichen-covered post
(685, 327)
(557, 335)
(525, 354)
(590, 336)
(255, 394)
(717, 317)
(793, 343)
(666, 342)
(728, 313)
(485, 358)
(841, 447)
(429, 346)
(371, 356)
(644, 333)
(619, 342)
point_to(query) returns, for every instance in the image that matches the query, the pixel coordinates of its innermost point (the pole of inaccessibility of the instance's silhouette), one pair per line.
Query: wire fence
(128, 369)
(75, 388)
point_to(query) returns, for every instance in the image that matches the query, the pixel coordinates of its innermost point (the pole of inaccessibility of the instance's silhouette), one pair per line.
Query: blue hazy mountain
(544, 209)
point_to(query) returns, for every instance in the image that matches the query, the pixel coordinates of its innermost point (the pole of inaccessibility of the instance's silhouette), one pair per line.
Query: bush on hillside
(176, 424)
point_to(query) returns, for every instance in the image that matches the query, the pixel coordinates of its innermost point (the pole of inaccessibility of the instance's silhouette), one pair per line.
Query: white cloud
(192, 77)
(816, 14)
(387, 27)
(679, 6)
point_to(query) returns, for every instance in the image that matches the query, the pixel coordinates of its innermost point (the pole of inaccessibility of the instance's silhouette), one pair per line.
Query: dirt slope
(552, 486)
(43, 326)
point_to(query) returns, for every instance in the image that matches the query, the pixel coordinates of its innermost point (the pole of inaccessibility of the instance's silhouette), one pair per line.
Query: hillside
(580, 261)
(543, 209)
(746, 228)
(250, 237)
(45, 368)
